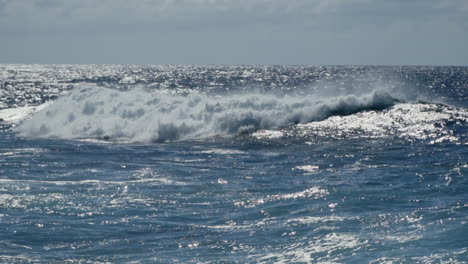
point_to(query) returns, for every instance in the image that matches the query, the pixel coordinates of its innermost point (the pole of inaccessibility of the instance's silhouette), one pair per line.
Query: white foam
(222, 151)
(231, 225)
(306, 252)
(22, 151)
(310, 169)
(410, 121)
(313, 192)
(268, 134)
(317, 219)
(21, 258)
(14, 115)
(142, 116)
(158, 180)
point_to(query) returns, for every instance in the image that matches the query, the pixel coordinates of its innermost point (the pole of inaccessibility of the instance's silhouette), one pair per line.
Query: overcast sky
(395, 32)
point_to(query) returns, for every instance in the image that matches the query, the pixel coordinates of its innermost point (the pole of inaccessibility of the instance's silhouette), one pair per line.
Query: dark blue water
(241, 164)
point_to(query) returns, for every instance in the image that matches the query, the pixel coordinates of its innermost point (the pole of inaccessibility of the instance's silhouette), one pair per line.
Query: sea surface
(233, 164)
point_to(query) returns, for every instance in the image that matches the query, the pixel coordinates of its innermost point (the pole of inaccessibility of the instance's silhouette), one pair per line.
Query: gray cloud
(3, 4)
(84, 10)
(38, 13)
(237, 31)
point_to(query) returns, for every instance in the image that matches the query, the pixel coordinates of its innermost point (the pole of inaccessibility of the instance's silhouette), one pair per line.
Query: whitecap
(17, 114)
(138, 115)
(313, 192)
(310, 169)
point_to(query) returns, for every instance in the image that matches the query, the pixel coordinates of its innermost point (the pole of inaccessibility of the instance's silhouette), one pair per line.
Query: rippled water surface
(233, 164)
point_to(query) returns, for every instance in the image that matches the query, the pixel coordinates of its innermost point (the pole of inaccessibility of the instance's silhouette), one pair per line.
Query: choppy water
(233, 164)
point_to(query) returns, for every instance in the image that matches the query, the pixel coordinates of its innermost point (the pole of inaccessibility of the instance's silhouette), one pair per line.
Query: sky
(317, 32)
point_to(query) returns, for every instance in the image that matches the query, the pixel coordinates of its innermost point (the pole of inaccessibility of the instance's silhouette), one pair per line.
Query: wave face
(433, 123)
(138, 115)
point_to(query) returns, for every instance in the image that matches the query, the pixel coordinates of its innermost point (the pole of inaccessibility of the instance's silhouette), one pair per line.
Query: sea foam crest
(139, 115)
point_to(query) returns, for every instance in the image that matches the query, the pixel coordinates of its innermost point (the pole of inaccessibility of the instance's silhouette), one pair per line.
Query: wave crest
(138, 115)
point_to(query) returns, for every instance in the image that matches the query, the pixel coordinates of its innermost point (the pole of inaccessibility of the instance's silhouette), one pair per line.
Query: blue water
(234, 164)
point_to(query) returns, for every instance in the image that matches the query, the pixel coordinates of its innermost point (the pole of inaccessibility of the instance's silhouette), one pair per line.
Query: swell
(138, 115)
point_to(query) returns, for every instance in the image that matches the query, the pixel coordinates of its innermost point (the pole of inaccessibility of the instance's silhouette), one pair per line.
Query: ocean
(233, 164)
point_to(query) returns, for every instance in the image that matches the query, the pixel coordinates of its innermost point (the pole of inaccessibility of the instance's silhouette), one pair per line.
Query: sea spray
(138, 115)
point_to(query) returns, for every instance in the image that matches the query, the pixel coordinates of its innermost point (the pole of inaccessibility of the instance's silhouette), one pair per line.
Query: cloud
(3, 4)
(239, 31)
(84, 11)
(50, 16)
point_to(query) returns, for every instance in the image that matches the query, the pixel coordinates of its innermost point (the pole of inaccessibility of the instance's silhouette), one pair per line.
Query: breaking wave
(139, 115)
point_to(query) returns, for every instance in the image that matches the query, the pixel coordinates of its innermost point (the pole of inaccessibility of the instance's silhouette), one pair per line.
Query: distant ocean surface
(233, 164)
